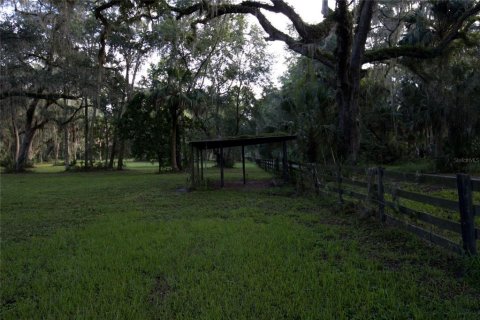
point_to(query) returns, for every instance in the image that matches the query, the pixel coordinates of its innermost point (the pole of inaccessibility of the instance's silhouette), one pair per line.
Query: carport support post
(243, 163)
(192, 164)
(284, 162)
(198, 163)
(380, 194)
(221, 168)
(201, 163)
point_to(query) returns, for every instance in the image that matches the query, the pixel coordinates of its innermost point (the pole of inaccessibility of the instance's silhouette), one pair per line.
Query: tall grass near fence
(440, 209)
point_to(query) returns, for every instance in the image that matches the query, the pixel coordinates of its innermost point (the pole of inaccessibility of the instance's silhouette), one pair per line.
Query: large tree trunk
(173, 142)
(113, 151)
(324, 8)
(75, 143)
(159, 159)
(56, 144)
(16, 148)
(92, 134)
(87, 140)
(107, 142)
(348, 122)
(24, 149)
(66, 146)
(174, 137)
(350, 50)
(237, 109)
(129, 92)
(344, 95)
(118, 140)
(28, 135)
(16, 136)
(125, 99)
(121, 151)
(179, 146)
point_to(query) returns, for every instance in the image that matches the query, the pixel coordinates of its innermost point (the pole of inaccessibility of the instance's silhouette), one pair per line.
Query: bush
(8, 163)
(450, 165)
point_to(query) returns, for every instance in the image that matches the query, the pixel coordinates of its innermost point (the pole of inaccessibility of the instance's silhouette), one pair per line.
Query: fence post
(198, 164)
(243, 164)
(222, 165)
(315, 179)
(192, 166)
(467, 218)
(339, 185)
(380, 194)
(290, 169)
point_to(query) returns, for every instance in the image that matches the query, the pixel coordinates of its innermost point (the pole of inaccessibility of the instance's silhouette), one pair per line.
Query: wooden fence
(387, 191)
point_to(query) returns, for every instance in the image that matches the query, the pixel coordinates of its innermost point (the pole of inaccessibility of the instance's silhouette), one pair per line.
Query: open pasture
(136, 245)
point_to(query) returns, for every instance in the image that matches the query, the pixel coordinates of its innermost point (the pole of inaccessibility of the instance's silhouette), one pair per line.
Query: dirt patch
(254, 184)
(333, 221)
(160, 291)
(431, 188)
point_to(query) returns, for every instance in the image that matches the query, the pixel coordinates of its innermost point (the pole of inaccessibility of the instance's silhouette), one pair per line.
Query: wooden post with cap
(243, 164)
(222, 183)
(467, 214)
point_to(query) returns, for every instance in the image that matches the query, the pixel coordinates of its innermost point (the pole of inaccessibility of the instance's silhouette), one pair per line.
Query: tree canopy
(372, 81)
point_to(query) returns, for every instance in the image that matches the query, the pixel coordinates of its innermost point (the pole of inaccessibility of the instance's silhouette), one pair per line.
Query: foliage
(146, 123)
(303, 106)
(44, 73)
(448, 118)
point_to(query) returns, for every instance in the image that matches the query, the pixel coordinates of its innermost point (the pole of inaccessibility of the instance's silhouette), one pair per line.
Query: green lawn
(134, 245)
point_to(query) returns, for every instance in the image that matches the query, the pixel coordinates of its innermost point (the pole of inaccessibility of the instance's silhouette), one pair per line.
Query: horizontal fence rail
(373, 185)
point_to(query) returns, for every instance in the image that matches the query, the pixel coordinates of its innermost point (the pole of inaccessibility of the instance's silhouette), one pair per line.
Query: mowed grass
(135, 245)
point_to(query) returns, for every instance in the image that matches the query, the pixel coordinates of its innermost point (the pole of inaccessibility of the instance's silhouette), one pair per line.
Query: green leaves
(146, 123)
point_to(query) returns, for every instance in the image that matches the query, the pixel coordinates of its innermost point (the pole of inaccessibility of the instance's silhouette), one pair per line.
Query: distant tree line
(376, 81)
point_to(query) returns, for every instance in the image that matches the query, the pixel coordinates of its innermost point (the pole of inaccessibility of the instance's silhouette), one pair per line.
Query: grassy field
(135, 245)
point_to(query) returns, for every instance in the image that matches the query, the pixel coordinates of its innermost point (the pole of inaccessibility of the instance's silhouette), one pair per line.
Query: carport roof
(239, 141)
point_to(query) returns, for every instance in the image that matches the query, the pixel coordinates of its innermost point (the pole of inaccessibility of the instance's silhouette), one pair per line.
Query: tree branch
(418, 52)
(72, 116)
(303, 29)
(310, 34)
(454, 32)
(102, 56)
(202, 64)
(314, 52)
(105, 6)
(307, 32)
(37, 95)
(382, 54)
(361, 32)
(344, 40)
(40, 125)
